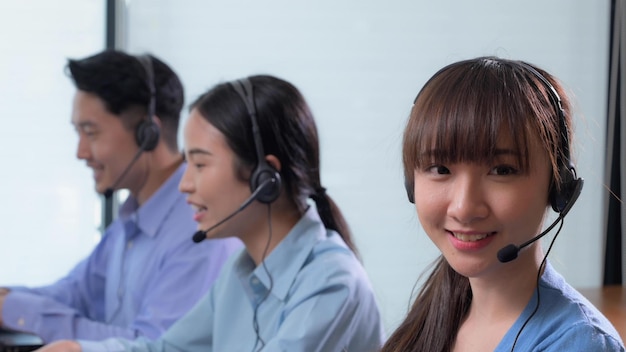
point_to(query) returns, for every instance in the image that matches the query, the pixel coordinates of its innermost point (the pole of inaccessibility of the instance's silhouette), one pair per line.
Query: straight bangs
(465, 109)
(226, 111)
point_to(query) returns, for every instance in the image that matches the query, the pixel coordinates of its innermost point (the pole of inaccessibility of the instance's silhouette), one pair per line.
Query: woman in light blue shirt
(253, 155)
(486, 155)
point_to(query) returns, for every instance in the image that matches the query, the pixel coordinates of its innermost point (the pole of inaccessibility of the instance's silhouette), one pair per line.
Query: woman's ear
(273, 161)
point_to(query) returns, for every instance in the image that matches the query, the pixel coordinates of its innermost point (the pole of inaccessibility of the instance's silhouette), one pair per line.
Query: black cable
(255, 322)
(541, 266)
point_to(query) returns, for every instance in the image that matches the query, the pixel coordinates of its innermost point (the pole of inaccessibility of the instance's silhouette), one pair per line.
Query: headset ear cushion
(262, 173)
(559, 199)
(147, 135)
(568, 193)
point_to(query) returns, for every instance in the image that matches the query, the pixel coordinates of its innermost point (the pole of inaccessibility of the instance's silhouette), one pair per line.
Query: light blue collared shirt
(320, 300)
(565, 321)
(144, 275)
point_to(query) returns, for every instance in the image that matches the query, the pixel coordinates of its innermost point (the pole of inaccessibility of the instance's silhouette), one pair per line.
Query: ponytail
(331, 216)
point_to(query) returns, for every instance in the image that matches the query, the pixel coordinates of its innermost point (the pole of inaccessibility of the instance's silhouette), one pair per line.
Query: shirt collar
(287, 258)
(154, 211)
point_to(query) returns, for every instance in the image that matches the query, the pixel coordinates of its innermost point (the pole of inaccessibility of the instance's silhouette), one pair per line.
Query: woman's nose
(186, 182)
(467, 199)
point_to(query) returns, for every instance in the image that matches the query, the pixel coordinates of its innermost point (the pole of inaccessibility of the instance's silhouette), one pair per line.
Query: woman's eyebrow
(195, 151)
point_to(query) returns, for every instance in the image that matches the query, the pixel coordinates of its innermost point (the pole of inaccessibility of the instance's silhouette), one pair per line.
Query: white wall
(49, 211)
(360, 63)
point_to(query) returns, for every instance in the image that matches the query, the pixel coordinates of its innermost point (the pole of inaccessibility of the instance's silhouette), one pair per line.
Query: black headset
(570, 184)
(147, 132)
(263, 171)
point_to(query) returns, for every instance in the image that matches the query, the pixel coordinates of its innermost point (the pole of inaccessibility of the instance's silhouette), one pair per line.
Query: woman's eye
(503, 170)
(439, 170)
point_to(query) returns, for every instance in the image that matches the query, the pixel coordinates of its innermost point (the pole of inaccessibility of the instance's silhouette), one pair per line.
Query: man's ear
(273, 161)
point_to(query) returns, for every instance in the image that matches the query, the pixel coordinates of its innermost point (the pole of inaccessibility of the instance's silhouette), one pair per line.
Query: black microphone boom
(200, 235)
(109, 191)
(510, 252)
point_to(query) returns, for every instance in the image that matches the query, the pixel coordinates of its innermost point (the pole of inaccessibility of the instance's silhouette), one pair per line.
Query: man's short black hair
(120, 80)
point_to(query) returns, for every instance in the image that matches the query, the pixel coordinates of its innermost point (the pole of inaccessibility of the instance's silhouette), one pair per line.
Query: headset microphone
(510, 252)
(200, 235)
(109, 191)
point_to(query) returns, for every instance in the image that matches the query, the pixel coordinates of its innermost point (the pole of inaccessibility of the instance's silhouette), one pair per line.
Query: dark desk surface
(611, 301)
(11, 341)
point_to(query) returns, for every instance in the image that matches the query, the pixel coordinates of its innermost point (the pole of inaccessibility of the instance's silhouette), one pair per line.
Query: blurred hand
(61, 346)
(3, 293)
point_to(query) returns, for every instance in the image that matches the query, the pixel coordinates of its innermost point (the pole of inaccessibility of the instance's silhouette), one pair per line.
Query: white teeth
(469, 238)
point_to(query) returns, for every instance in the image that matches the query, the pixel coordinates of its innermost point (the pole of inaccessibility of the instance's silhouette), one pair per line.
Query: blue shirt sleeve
(49, 311)
(582, 338)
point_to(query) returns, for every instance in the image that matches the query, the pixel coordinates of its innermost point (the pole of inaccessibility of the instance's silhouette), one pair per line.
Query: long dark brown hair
(458, 116)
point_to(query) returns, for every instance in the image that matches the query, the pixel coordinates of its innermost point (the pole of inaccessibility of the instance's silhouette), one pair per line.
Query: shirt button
(21, 322)
(129, 245)
(255, 281)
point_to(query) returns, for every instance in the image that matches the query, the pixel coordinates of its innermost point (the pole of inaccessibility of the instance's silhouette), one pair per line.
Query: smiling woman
(486, 152)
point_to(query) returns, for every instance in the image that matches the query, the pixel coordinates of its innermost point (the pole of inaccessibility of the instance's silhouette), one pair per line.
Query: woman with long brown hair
(486, 153)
